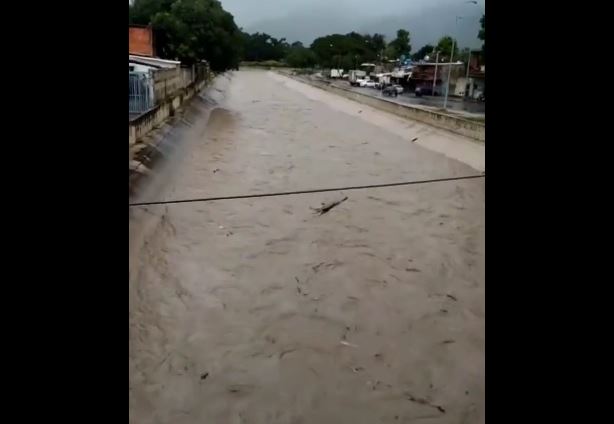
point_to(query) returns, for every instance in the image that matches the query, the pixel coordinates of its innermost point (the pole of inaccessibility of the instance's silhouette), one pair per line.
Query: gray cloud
(304, 20)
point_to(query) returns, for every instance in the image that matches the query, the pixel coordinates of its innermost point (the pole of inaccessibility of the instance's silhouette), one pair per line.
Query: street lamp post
(445, 100)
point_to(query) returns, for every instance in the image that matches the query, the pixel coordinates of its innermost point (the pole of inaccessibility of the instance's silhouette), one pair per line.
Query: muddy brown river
(261, 311)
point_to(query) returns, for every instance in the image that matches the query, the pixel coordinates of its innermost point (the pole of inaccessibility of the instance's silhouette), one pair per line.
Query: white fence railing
(140, 92)
(149, 89)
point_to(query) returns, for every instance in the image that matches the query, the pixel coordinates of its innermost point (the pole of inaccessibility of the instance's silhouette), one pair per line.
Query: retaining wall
(144, 123)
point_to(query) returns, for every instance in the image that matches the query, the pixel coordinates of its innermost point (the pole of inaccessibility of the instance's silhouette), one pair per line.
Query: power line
(288, 193)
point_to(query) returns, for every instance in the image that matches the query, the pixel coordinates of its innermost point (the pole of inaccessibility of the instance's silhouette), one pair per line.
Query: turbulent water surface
(262, 311)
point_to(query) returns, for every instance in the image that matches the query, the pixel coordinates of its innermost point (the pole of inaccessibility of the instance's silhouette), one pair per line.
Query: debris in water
(317, 267)
(203, 376)
(412, 270)
(447, 341)
(215, 170)
(239, 388)
(326, 207)
(285, 352)
(357, 369)
(348, 344)
(452, 297)
(414, 139)
(425, 403)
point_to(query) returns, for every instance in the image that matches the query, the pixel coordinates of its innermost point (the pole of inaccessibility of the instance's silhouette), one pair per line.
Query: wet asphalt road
(410, 98)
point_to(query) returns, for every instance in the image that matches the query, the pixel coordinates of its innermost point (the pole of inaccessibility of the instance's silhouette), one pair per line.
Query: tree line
(194, 30)
(347, 51)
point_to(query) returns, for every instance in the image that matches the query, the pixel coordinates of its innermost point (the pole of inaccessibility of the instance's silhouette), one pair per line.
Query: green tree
(346, 51)
(300, 57)
(261, 46)
(400, 45)
(191, 30)
(390, 53)
(141, 12)
(423, 51)
(482, 33)
(376, 44)
(444, 46)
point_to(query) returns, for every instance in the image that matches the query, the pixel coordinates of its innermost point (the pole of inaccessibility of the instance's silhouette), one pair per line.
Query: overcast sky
(304, 20)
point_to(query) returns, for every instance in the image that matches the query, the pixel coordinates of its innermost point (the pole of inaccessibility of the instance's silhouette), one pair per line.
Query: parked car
(390, 91)
(425, 91)
(370, 84)
(361, 82)
(398, 88)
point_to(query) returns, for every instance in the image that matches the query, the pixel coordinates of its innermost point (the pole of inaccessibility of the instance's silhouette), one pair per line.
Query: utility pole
(435, 76)
(467, 76)
(445, 100)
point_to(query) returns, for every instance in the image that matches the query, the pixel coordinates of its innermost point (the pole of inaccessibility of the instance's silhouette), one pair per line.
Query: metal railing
(140, 92)
(147, 89)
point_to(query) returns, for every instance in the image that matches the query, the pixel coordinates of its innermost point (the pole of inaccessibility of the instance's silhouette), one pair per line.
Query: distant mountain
(426, 25)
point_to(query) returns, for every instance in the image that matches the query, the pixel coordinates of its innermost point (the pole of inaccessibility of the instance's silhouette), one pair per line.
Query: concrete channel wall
(144, 123)
(465, 127)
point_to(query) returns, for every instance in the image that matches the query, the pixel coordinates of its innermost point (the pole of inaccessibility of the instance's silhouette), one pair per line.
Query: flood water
(261, 311)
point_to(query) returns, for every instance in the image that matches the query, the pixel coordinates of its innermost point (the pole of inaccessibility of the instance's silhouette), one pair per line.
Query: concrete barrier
(455, 124)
